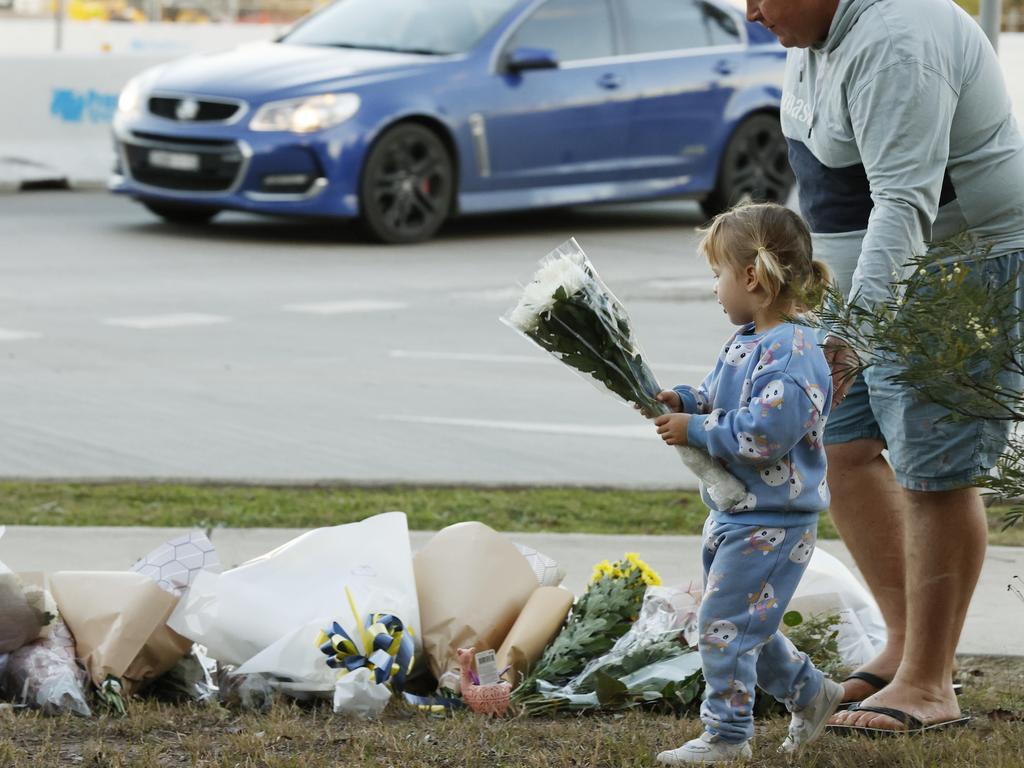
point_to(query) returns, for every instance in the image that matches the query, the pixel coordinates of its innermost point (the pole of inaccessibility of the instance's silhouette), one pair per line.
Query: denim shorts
(926, 452)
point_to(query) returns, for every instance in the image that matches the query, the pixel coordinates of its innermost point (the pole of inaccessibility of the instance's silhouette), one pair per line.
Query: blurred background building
(183, 11)
(278, 12)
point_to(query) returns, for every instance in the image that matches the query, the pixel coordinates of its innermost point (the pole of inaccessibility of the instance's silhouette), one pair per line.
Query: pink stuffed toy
(485, 699)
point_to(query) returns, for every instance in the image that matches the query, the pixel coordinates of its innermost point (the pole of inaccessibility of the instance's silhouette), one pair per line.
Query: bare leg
(868, 508)
(946, 539)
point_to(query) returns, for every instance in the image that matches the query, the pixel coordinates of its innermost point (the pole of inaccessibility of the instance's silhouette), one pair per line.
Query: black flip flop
(912, 725)
(878, 683)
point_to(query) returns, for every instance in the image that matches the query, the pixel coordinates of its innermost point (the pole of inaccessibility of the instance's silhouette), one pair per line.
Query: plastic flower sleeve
(568, 310)
(263, 615)
(665, 628)
(829, 587)
(44, 675)
(654, 660)
(191, 679)
(25, 612)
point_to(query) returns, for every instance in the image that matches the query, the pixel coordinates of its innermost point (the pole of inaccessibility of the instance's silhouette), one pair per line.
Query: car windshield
(412, 26)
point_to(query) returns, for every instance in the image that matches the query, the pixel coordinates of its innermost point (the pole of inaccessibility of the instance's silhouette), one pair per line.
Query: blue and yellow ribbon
(387, 647)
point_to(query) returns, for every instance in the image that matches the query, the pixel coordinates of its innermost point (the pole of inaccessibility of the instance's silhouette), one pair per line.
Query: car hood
(266, 70)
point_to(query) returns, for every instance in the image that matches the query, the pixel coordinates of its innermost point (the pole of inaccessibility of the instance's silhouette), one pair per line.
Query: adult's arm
(901, 120)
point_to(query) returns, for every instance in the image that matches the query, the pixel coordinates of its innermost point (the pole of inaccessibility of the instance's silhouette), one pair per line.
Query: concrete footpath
(995, 622)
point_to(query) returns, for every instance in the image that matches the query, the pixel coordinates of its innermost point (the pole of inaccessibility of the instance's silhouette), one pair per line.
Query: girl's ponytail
(770, 273)
(815, 285)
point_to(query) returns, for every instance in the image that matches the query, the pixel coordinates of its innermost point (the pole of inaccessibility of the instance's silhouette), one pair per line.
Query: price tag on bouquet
(487, 668)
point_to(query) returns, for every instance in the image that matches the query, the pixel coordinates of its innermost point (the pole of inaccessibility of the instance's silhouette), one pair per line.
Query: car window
(672, 25)
(438, 26)
(573, 29)
(721, 25)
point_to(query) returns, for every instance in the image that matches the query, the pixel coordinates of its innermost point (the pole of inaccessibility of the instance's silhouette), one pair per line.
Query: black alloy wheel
(175, 213)
(754, 167)
(407, 186)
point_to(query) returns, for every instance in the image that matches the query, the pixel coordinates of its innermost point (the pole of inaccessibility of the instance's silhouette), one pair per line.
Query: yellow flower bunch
(602, 569)
(649, 575)
(623, 569)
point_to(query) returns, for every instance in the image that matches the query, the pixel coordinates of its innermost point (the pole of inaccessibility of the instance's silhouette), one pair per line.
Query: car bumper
(274, 173)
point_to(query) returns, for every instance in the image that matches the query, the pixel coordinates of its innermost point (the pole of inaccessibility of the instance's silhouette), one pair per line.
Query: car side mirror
(522, 59)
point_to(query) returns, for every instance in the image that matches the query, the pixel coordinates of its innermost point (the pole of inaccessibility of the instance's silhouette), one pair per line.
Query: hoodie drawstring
(819, 81)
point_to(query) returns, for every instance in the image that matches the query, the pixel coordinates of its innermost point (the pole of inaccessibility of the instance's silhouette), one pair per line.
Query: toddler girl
(761, 412)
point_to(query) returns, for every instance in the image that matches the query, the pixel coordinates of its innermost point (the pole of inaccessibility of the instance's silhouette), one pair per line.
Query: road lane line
(508, 295)
(10, 335)
(151, 322)
(471, 357)
(538, 359)
(344, 307)
(638, 432)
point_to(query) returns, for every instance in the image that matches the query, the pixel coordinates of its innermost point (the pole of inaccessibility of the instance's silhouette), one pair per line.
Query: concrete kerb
(995, 622)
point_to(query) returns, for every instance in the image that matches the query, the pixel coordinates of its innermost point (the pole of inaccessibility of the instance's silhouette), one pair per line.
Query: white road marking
(639, 432)
(538, 359)
(9, 335)
(344, 307)
(512, 294)
(151, 322)
(683, 367)
(509, 295)
(683, 283)
(472, 357)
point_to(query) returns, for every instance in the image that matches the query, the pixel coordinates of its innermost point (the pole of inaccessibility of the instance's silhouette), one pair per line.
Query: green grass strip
(534, 509)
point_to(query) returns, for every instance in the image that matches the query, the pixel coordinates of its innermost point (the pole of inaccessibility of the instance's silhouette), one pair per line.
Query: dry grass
(158, 736)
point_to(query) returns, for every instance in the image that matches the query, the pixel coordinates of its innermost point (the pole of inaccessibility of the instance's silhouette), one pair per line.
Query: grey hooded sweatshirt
(900, 131)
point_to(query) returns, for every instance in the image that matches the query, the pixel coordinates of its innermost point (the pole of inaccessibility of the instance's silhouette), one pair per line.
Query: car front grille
(188, 110)
(219, 164)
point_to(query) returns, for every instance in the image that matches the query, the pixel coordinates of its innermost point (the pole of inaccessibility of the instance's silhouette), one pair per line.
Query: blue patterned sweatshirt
(761, 412)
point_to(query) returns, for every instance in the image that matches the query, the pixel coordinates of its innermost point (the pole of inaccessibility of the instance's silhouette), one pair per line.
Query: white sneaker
(707, 749)
(808, 722)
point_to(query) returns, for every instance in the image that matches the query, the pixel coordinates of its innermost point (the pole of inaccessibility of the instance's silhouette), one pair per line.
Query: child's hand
(672, 428)
(670, 398)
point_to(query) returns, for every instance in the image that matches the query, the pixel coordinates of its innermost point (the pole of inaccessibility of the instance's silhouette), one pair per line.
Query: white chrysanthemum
(565, 271)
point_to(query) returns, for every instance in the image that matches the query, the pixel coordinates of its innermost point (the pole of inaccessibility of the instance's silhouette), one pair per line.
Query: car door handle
(609, 80)
(723, 67)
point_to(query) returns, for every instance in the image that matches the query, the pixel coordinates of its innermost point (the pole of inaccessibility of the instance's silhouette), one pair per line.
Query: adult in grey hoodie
(901, 132)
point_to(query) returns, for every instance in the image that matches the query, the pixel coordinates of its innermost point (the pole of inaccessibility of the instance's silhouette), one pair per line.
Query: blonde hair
(777, 243)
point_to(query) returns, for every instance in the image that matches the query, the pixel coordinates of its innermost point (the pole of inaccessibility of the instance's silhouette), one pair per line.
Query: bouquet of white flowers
(569, 311)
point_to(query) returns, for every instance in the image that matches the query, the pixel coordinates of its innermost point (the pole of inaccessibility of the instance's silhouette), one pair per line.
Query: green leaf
(792, 619)
(610, 690)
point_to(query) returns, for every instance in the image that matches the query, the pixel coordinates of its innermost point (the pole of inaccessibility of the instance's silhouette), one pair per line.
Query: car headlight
(130, 100)
(305, 115)
(133, 95)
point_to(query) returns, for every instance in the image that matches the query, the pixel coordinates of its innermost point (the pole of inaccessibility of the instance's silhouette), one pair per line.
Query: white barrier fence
(55, 124)
(57, 115)
(31, 37)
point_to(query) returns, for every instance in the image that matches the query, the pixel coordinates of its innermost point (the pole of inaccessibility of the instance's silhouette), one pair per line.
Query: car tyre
(187, 215)
(407, 186)
(754, 167)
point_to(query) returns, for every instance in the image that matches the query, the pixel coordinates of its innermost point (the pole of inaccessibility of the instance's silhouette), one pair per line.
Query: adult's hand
(844, 364)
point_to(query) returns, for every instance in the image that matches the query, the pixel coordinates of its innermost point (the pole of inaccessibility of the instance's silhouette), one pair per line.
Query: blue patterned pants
(750, 575)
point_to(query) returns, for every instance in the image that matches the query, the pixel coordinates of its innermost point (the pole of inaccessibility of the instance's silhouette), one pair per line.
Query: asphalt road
(282, 350)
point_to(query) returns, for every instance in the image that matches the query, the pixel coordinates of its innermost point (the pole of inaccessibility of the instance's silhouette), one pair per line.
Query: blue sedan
(403, 113)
